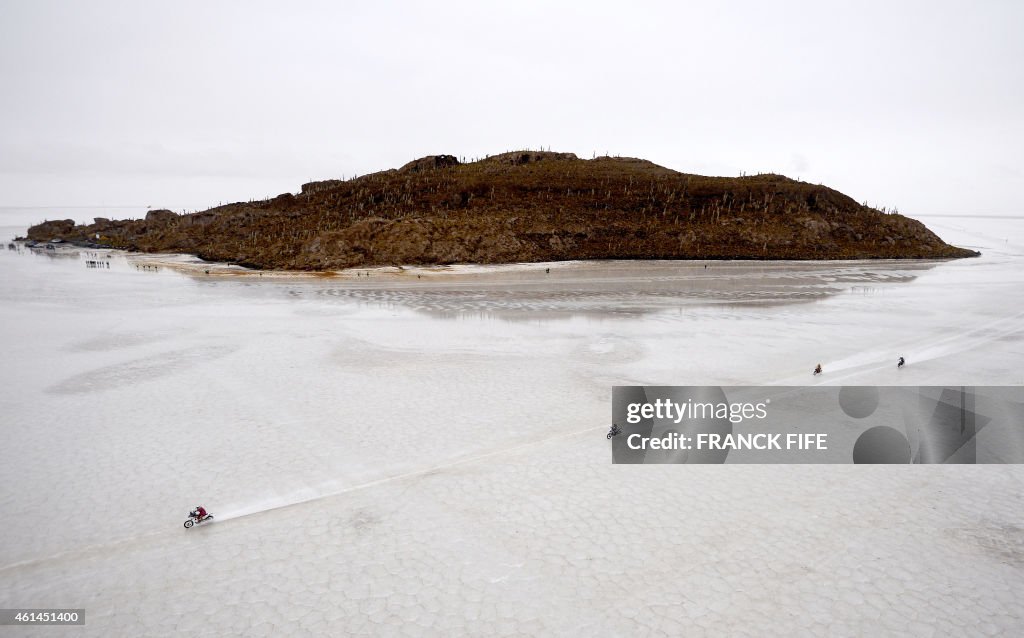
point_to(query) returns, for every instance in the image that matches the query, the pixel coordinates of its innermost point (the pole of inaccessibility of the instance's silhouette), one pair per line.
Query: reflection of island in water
(605, 289)
(623, 289)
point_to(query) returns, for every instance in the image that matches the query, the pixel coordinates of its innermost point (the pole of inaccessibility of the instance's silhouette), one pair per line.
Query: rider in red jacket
(200, 512)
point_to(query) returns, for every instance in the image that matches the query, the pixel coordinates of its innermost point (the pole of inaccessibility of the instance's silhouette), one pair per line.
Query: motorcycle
(614, 431)
(193, 518)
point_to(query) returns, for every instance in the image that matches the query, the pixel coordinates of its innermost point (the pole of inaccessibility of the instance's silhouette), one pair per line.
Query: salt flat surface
(403, 456)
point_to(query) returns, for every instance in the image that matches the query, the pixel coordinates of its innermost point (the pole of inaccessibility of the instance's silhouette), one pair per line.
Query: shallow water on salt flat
(430, 454)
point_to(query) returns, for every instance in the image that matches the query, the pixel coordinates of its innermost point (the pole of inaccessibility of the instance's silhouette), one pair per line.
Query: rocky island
(524, 206)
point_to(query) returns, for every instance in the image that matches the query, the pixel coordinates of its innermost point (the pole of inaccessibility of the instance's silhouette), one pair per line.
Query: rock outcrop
(520, 207)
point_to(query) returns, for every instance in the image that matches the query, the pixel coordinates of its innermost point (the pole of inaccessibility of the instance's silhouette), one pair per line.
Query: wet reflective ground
(428, 455)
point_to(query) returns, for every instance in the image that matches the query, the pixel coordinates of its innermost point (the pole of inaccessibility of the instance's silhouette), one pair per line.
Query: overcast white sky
(186, 104)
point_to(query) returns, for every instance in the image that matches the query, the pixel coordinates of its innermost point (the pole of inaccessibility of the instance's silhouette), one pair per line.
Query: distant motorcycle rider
(900, 363)
(817, 369)
(199, 513)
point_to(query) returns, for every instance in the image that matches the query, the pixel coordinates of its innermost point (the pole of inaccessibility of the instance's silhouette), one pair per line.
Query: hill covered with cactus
(524, 206)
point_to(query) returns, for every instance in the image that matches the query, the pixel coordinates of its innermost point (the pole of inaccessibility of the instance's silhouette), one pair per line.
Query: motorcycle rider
(900, 363)
(199, 513)
(817, 369)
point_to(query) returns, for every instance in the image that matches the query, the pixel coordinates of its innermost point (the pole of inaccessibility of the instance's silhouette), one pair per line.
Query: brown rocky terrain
(523, 207)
